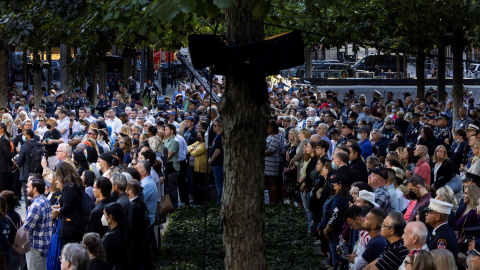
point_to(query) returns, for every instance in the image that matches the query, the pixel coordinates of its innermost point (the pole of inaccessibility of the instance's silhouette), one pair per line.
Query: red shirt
(423, 169)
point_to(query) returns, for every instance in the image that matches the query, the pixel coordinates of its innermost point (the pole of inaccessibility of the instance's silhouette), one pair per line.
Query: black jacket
(19, 139)
(361, 168)
(348, 173)
(114, 244)
(444, 173)
(402, 125)
(124, 201)
(140, 225)
(95, 221)
(73, 225)
(24, 158)
(5, 155)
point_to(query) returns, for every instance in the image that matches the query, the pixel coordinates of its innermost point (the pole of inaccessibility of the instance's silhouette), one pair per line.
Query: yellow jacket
(198, 150)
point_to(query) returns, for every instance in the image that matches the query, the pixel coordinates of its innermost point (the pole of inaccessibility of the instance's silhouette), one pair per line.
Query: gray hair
(146, 165)
(323, 125)
(120, 180)
(67, 148)
(88, 109)
(138, 128)
(76, 255)
(420, 230)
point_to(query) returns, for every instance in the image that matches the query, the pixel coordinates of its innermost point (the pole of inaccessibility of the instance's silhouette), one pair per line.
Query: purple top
(468, 220)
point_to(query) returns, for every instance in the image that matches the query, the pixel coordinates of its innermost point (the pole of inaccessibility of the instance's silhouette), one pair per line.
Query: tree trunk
(457, 93)
(420, 73)
(4, 72)
(150, 65)
(25, 69)
(128, 66)
(37, 76)
(49, 71)
(102, 76)
(405, 73)
(93, 94)
(63, 66)
(441, 73)
(308, 64)
(244, 107)
(399, 60)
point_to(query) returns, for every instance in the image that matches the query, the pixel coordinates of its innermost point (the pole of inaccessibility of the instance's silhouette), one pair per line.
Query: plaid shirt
(382, 198)
(39, 224)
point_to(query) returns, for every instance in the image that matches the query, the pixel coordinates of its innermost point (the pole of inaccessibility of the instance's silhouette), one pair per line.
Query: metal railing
(200, 78)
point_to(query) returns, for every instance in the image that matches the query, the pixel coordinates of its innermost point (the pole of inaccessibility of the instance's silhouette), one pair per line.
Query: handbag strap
(13, 223)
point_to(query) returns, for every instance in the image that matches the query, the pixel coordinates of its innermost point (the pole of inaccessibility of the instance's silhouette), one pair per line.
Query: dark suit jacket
(71, 211)
(348, 173)
(5, 155)
(444, 238)
(444, 173)
(95, 221)
(361, 168)
(18, 139)
(24, 158)
(124, 201)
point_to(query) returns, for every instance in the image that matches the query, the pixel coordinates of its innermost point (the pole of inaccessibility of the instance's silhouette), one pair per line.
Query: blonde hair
(296, 139)
(126, 130)
(448, 196)
(435, 158)
(444, 259)
(473, 193)
(306, 132)
(93, 144)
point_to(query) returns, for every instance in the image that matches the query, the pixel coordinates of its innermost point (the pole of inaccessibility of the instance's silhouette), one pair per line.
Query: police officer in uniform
(443, 236)
(443, 132)
(347, 130)
(58, 101)
(76, 102)
(83, 96)
(413, 130)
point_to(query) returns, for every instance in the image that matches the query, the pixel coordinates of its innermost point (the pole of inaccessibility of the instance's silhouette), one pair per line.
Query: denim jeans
(333, 247)
(35, 261)
(218, 174)
(306, 206)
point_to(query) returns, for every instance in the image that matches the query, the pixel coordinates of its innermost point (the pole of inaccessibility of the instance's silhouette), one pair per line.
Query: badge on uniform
(442, 244)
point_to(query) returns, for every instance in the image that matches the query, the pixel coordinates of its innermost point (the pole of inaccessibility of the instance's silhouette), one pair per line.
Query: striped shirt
(393, 256)
(39, 224)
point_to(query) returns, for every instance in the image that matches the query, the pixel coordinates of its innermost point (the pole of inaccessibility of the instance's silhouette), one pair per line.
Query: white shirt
(64, 124)
(40, 131)
(91, 119)
(115, 124)
(183, 151)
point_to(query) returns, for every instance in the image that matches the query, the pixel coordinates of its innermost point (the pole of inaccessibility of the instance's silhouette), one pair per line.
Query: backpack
(35, 165)
(87, 206)
(21, 244)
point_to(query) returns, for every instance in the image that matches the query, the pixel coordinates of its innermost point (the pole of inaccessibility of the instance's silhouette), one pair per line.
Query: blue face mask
(457, 141)
(334, 166)
(359, 136)
(394, 110)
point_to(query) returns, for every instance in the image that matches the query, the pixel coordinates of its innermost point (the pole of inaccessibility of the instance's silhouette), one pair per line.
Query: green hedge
(287, 245)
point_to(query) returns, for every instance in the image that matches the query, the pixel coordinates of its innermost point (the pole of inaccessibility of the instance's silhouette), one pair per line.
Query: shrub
(287, 245)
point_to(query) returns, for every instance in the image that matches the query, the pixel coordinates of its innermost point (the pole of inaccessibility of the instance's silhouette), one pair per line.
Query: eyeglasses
(59, 151)
(91, 133)
(41, 120)
(383, 225)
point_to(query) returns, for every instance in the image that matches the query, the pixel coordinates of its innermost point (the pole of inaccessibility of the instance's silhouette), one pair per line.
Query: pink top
(423, 169)
(410, 207)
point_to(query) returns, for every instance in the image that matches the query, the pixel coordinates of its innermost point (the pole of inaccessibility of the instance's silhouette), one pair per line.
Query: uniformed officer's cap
(84, 120)
(440, 206)
(472, 177)
(364, 128)
(472, 233)
(473, 127)
(376, 93)
(59, 94)
(353, 114)
(476, 249)
(347, 125)
(444, 116)
(416, 115)
(75, 91)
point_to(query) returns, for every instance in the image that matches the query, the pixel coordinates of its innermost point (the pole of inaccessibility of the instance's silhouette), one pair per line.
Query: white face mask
(82, 128)
(104, 221)
(5, 121)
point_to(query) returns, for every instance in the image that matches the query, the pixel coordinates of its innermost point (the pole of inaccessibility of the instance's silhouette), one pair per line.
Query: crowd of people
(94, 178)
(384, 182)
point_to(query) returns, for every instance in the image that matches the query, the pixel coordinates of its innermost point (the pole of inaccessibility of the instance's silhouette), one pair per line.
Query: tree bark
(49, 71)
(244, 107)
(308, 64)
(63, 66)
(405, 66)
(93, 94)
(399, 61)
(457, 93)
(37, 77)
(441, 73)
(3, 71)
(25, 69)
(420, 70)
(102, 76)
